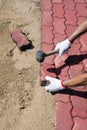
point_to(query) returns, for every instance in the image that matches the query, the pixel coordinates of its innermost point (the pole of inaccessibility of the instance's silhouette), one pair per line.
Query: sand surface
(24, 104)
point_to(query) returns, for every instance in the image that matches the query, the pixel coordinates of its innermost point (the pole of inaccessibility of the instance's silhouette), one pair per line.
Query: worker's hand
(63, 46)
(55, 84)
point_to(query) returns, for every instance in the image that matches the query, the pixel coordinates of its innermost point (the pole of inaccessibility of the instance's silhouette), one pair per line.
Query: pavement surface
(60, 18)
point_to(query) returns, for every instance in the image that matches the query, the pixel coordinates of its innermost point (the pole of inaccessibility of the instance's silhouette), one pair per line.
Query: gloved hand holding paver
(55, 84)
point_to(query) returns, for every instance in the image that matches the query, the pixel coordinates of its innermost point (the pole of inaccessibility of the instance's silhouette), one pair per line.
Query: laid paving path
(59, 19)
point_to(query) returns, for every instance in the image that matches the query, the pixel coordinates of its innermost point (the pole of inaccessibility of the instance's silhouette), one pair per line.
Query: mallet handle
(51, 52)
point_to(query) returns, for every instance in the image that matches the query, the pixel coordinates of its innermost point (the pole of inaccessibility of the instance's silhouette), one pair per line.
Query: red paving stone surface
(59, 19)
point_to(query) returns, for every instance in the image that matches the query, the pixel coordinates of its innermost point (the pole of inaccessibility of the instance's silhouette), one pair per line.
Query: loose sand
(24, 104)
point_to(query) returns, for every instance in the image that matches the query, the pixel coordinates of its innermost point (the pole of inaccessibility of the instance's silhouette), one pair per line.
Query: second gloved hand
(63, 46)
(55, 84)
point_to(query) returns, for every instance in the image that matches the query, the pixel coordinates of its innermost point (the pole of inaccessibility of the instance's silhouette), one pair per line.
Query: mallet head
(40, 56)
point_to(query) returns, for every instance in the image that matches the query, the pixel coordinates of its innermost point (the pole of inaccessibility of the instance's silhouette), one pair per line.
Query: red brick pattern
(59, 20)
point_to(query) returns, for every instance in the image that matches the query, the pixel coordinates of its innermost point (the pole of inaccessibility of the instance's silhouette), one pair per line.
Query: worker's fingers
(48, 78)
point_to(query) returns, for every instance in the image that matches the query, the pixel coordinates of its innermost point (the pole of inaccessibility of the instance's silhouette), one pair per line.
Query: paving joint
(80, 117)
(52, 23)
(76, 12)
(71, 112)
(65, 21)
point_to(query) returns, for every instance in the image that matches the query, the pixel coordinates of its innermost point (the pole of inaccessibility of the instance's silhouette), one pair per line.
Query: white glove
(63, 46)
(55, 84)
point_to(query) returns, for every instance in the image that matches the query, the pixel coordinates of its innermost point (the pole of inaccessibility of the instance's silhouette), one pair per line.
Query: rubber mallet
(40, 55)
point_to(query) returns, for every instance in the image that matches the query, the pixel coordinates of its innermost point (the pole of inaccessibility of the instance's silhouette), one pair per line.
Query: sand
(24, 104)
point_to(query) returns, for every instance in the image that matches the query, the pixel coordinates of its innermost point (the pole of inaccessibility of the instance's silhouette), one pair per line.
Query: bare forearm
(77, 81)
(79, 31)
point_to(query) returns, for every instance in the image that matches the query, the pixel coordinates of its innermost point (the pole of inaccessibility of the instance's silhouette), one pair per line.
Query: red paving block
(61, 67)
(47, 18)
(70, 16)
(59, 26)
(62, 98)
(79, 106)
(81, 9)
(47, 48)
(70, 29)
(80, 124)
(63, 116)
(69, 4)
(75, 70)
(58, 10)
(46, 5)
(58, 38)
(47, 35)
(60, 60)
(19, 38)
(47, 70)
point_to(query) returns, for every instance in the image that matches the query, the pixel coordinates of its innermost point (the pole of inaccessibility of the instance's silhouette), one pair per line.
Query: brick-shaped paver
(57, 28)
(60, 61)
(69, 4)
(47, 18)
(46, 5)
(64, 118)
(47, 35)
(75, 70)
(64, 98)
(47, 70)
(58, 10)
(71, 18)
(80, 124)
(60, 18)
(81, 9)
(79, 107)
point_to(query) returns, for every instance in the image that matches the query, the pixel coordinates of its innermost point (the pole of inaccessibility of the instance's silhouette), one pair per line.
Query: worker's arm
(56, 85)
(79, 31)
(76, 81)
(66, 44)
